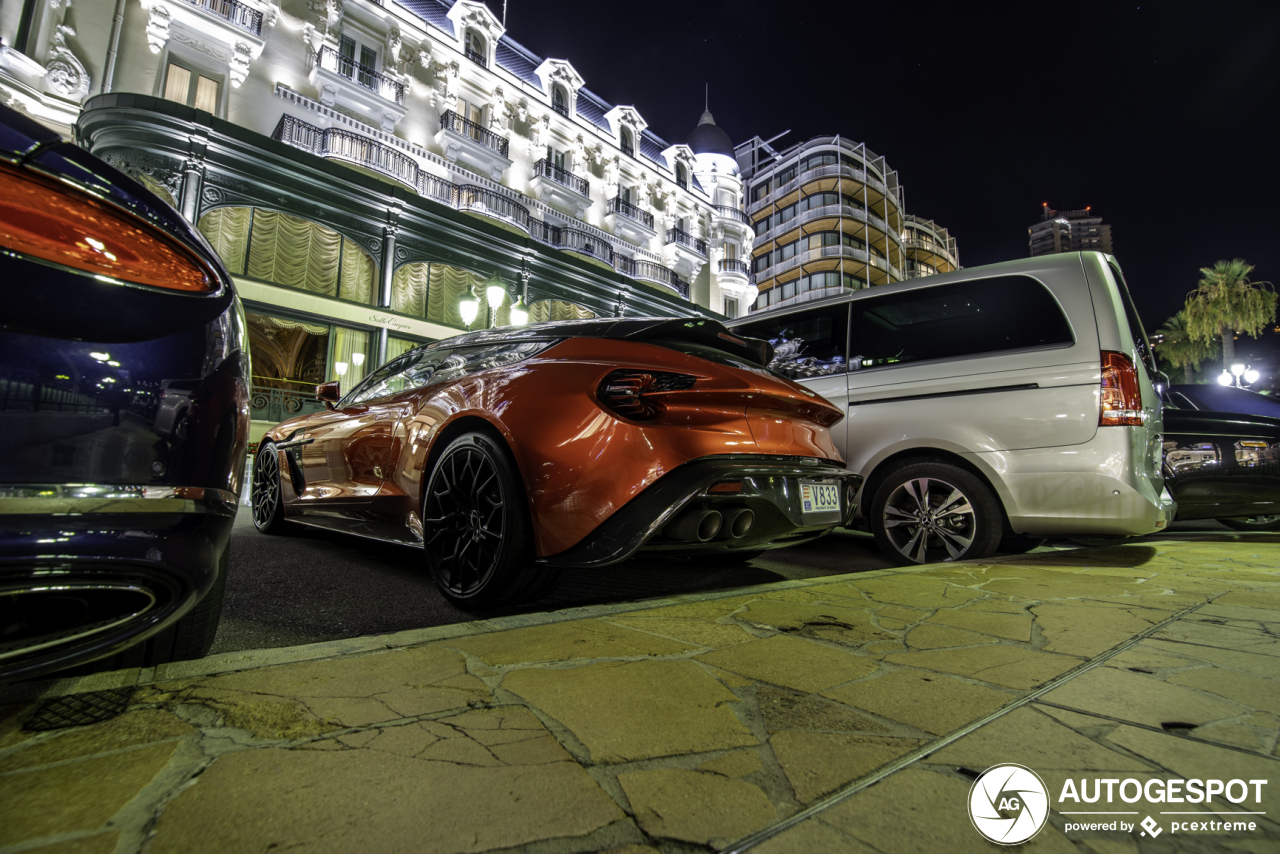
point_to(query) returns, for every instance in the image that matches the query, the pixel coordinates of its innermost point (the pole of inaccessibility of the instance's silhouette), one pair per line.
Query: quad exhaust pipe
(703, 526)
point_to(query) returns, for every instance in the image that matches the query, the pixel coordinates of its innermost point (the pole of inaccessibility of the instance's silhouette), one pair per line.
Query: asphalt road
(316, 585)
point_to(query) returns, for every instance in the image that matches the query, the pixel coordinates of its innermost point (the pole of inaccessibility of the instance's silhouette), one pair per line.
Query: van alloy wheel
(933, 511)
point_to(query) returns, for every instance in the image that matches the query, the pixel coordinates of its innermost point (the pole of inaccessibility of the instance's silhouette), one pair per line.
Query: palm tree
(1180, 348)
(1226, 302)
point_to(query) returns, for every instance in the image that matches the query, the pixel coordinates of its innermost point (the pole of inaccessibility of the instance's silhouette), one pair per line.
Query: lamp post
(495, 292)
(1240, 376)
(519, 314)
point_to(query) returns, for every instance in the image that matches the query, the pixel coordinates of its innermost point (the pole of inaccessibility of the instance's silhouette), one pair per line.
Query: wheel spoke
(949, 539)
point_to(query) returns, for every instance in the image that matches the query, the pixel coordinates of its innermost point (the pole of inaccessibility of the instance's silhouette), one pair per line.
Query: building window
(682, 176)
(730, 308)
(546, 310)
(476, 51)
(559, 102)
(191, 87)
(628, 146)
(473, 113)
(359, 62)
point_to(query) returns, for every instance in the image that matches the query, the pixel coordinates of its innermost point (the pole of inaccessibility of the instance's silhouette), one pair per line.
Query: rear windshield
(1135, 322)
(704, 351)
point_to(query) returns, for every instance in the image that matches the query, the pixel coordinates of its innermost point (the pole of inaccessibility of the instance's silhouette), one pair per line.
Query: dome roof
(708, 138)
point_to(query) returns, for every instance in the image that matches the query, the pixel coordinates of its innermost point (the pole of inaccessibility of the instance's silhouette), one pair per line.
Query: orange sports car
(509, 454)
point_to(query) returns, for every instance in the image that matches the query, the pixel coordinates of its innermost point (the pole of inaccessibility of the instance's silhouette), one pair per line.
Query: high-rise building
(828, 218)
(1068, 231)
(363, 165)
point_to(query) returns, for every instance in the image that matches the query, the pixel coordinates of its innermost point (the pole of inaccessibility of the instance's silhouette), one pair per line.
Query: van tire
(928, 511)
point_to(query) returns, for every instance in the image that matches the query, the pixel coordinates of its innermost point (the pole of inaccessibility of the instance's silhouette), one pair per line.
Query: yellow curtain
(227, 230)
(398, 347)
(447, 285)
(358, 272)
(156, 187)
(409, 290)
(349, 347)
(554, 309)
(293, 252)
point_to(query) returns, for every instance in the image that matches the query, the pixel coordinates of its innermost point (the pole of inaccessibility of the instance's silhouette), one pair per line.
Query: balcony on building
(734, 222)
(471, 144)
(651, 271)
(237, 14)
(734, 267)
(630, 222)
(685, 253)
(558, 186)
(348, 146)
(210, 26)
(477, 57)
(343, 82)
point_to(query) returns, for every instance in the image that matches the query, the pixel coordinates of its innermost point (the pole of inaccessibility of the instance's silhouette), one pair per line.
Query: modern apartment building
(1068, 231)
(828, 218)
(363, 166)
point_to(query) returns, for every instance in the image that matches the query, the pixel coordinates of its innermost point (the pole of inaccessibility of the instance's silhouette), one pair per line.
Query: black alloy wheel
(1261, 522)
(268, 505)
(476, 530)
(931, 511)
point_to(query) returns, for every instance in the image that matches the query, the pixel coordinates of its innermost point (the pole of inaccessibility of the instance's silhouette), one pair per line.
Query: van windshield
(1135, 323)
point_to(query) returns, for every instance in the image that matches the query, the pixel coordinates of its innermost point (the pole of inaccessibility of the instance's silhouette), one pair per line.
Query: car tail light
(54, 222)
(625, 391)
(1121, 394)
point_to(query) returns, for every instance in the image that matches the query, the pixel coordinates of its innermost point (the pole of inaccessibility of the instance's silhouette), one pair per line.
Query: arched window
(628, 145)
(287, 250)
(553, 309)
(476, 49)
(432, 291)
(559, 101)
(682, 176)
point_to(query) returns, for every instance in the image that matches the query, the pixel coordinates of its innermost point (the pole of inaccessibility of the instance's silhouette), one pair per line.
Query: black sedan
(116, 505)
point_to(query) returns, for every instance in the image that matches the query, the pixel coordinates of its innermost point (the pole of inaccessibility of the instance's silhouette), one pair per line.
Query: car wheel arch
(469, 422)
(875, 475)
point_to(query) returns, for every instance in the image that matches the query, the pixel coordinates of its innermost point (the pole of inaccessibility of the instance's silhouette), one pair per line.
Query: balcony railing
(652, 272)
(563, 177)
(451, 121)
(630, 211)
(572, 239)
(339, 144)
(682, 183)
(477, 58)
(492, 203)
(732, 213)
(684, 238)
(734, 265)
(237, 14)
(277, 404)
(562, 109)
(627, 148)
(331, 60)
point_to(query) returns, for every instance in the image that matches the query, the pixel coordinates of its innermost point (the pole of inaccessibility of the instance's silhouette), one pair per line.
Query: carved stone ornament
(196, 42)
(64, 73)
(392, 61)
(211, 195)
(327, 17)
(239, 64)
(158, 27)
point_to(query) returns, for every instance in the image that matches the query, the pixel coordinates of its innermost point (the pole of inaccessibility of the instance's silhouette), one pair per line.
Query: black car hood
(20, 135)
(696, 329)
(1238, 424)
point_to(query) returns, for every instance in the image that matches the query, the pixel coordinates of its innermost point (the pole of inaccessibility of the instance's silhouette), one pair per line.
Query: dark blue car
(123, 415)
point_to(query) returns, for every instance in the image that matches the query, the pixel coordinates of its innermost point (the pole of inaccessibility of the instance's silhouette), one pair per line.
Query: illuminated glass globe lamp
(519, 313)
(469, 306)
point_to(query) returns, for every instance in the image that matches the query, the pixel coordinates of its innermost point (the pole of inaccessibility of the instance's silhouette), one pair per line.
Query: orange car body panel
(579, 461)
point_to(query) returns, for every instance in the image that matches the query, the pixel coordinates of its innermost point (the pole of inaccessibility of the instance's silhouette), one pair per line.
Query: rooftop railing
(684, 238)
(331, 60)
(563, 177)
(452, 121)
(237, 14)
(630, 211)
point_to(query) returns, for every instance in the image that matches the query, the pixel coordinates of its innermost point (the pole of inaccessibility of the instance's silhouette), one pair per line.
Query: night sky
(1156, 115)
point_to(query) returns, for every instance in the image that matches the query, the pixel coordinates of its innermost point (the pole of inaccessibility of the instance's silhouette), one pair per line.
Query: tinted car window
(811, 343)
(963, 319)
(1135, 322)
(389, 379)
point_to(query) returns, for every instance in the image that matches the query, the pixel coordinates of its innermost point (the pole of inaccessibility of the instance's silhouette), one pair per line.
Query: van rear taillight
(1121, 393)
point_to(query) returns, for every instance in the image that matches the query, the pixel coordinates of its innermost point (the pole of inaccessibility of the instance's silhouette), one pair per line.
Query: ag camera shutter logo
(1008, 804)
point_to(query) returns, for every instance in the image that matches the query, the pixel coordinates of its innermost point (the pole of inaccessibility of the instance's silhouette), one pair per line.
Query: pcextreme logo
(1009, 804)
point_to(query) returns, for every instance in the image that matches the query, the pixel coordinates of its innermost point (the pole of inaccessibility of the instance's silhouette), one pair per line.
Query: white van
(989, 407)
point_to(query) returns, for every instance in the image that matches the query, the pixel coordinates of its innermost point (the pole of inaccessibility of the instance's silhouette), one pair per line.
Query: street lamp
(1239, 376)
(519, 314)
(469, 306)
(496, 292)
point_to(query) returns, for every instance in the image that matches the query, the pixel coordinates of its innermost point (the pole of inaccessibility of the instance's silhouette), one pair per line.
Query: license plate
(819, 497)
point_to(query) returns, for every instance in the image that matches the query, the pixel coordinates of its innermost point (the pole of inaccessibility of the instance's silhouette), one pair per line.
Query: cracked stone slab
(567, 641)
(636, 710)
(699, 632)
(848, 625)
(1139, 698)
(740, 763)
(1241, 688)
(140, 726)
(1261, 665)
(103, 843)
(915, 591)
(1222, 637)
(784, 709)
(1011, 667)
(1087, 630)
(930, 702)
(76, 796)
(1029, 737)
(692, 806)
(820, 762)
(808, 837)
(930, 636)
(363, 800)
(1012, 626)
(792, 662)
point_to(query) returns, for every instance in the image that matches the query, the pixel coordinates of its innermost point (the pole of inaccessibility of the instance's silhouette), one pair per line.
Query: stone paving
(846, 714)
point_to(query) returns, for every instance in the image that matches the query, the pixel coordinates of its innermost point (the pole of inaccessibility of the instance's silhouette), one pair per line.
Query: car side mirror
(329, 394)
